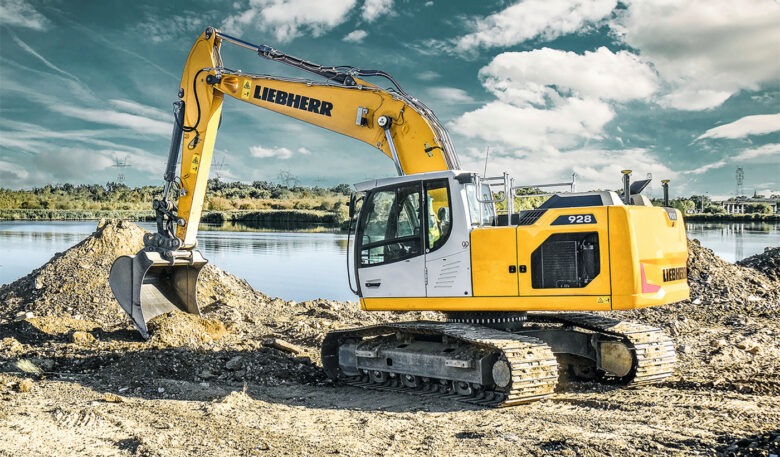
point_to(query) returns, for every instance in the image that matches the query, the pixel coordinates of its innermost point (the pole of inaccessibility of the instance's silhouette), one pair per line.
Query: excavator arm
(163, 276)
(398, 125)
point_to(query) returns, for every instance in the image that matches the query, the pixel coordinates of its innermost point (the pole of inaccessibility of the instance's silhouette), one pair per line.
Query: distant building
(737, 205)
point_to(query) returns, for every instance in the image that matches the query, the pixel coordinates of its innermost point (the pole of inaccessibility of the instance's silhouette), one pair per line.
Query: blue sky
(685, 90)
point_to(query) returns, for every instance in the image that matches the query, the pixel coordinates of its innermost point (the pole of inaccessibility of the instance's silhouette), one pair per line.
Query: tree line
(221, 196)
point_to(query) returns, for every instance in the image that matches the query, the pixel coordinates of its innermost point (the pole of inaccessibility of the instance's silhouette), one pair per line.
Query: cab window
(438, 211)
(390, 229)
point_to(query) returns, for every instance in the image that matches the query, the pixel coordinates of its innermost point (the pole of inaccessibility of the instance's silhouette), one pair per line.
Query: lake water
(735, 240)
(300, 266)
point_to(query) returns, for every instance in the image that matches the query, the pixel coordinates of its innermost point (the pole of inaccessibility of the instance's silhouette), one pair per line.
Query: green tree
(685, 205)
(758, 208)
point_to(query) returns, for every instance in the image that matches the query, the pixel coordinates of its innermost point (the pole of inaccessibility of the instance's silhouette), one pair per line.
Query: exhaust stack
(626, 186)
(666, 192)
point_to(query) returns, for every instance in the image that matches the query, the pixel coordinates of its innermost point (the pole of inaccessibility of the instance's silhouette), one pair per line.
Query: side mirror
(354, 199)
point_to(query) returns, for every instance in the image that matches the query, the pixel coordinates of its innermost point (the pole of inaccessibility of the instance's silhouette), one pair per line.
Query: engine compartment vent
(566, 260)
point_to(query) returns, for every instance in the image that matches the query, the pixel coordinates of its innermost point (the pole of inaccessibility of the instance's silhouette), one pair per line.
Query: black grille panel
(565, 260)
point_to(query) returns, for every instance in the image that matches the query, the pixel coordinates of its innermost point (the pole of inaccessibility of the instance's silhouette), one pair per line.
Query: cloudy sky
(685, 90)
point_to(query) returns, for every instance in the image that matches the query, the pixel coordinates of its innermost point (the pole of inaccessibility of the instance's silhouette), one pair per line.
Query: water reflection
(734, 241)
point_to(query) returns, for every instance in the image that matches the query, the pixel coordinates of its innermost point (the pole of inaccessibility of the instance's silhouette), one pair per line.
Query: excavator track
(654, 354)
(532, 375)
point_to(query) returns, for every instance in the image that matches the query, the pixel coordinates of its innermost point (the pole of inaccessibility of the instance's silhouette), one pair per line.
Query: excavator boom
(163, 276)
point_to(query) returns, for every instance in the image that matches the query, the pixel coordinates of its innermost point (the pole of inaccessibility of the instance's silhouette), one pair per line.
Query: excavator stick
(148, 284)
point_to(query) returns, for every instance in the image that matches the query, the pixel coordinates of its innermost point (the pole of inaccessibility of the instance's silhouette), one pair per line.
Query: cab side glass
(438, 213)
(389, 228)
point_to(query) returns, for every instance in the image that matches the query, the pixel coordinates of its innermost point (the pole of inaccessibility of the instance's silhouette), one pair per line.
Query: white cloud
(20, 13)
(12, 175)
(594, 168)
(526, 20)
(374, 9)
(356, 36)
(534, 129)
(46, 62)
(550, 100)
(428, 75)
(706, 50)
(159, 29)
(705, 168)
(68, 164)
(262, 152)
(767, 151)
(450, 95)
(289, 19)
(141, 110)
(692, 99)
(749, 125)
(766, 154)
(131, 121)
(537, 76)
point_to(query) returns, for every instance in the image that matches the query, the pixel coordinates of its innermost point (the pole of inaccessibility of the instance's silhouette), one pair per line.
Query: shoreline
(731, 217)
(287, 219)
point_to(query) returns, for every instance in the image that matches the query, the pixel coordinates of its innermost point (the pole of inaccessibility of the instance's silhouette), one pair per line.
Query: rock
(113, 398)
(28, 366)
(234, 363)
(45, 364)
(282, 345)
(25, 385)
(206, 374)
(718, 344)
(82, 338)
(10, 344)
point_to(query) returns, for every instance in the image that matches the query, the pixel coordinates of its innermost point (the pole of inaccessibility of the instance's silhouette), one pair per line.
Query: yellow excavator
(514, 285)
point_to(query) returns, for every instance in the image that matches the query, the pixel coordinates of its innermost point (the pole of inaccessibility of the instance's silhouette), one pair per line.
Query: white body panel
(405, 278)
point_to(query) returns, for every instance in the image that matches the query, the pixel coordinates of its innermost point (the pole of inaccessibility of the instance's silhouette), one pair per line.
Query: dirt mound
(767, 262)
(721, 287)
(75, 283)
(181, 329)
(73, 286)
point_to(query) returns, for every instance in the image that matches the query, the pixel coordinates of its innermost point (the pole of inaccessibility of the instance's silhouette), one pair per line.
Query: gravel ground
(244, 378)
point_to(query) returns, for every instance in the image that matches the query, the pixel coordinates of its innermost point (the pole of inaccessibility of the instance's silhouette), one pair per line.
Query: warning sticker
(602, 300)
(246, 90)
(195, 164)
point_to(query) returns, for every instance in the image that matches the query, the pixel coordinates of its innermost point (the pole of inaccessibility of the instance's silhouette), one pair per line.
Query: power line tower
(740, 181)
(120, 164)
(287, 178)
(218, 168)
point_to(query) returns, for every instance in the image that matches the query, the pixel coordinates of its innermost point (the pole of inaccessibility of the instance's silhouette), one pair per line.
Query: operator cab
(406, 225)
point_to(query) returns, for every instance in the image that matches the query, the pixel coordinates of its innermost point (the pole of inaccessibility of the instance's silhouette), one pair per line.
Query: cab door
(389, 243)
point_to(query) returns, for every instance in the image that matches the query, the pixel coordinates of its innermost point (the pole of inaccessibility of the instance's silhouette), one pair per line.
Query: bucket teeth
(148, 284)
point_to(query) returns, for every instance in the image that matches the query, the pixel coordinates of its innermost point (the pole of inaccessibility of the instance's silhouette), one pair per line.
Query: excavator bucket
(147, 285)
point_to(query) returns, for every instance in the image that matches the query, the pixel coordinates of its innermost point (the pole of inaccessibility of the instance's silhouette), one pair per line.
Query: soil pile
(73, 286)
(75, 283)
(721, 288)
(767, 262)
